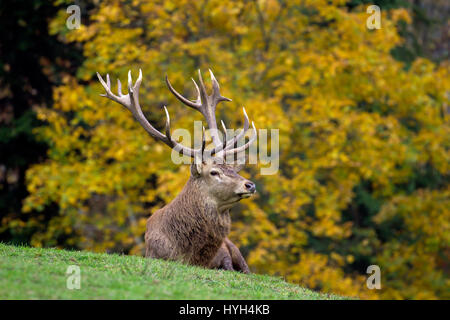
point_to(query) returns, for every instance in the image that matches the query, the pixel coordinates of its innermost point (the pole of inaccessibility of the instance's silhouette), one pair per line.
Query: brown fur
(229, 257)
(193, 228)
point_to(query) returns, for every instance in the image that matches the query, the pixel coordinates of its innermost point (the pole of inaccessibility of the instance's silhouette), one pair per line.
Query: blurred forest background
(363, 118)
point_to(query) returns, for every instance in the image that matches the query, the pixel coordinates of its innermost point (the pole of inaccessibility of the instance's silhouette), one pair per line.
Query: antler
(229, 145)
(131, 102)
(206, 105)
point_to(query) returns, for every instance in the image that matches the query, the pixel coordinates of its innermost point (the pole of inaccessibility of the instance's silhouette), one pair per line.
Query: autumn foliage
(364, 139)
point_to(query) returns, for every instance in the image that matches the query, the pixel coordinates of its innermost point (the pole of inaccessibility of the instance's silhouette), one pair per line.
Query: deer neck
(194, 206)
(194, 196)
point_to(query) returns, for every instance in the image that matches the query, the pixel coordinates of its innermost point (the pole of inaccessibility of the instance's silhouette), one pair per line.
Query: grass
(34, 273)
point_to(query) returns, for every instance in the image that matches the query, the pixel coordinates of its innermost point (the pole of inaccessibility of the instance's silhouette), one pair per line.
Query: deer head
(221, 184)
(217, 179)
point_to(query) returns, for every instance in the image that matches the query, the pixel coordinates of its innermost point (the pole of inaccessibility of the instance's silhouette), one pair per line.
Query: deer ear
(239, 164)
(196, 169)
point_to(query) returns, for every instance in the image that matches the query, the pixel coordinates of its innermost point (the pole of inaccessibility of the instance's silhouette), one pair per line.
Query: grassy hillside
(30, 273)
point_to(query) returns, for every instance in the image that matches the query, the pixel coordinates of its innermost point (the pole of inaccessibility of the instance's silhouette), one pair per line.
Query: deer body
(188, 229)
(193, 228)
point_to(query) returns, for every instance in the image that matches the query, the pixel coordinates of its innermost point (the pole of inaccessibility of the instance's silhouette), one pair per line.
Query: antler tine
(134, 104)
(203, 140)
(138, 82)
(225, 139)
(203, 94)
(130, 81)
(131, 102)
(168, 135)
(243, 147)
(195, 105)
(199, 99)
(119, 88)
(221, 146)
(243, 131)
(198, 157)
(216, 96)
(229, 144)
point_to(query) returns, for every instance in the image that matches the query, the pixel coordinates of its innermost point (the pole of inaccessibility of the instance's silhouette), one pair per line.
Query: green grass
(32, 273)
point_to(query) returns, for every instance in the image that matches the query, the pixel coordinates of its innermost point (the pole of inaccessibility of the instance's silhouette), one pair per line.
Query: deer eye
(214, 173)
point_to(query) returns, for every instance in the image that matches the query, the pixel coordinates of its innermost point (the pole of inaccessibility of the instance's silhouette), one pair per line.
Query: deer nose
(250, 186)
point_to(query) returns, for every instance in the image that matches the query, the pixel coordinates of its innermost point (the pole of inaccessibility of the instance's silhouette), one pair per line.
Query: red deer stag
(193, 228)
